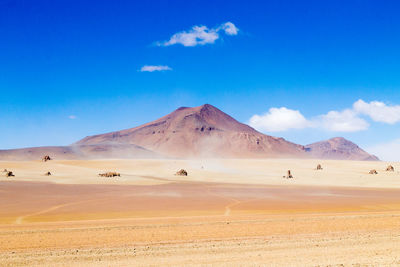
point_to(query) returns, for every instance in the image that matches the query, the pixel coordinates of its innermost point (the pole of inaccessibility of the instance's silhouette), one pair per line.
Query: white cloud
(72, 117)
(278, 120)
(229, 28)
(151, 68)
(342, 121)
(200, 35)
(378, 111)
(197, 35)
(387, 151)
(283, 119)
(348, 120)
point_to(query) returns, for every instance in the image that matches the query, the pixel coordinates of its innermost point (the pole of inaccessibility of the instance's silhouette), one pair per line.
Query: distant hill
(78, 152)
(198, 132)
(338, 148)
(36, 153)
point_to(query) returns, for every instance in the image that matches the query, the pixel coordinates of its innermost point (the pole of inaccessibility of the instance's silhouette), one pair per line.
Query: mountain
(203, 131)
(197, 132)
(338, 148)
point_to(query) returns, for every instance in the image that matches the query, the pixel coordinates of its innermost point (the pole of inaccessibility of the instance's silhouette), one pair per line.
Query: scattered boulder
(373, 171)
(5, 170)
(10, 174)
(46, 158)
(109, 174)
(47, 173)
(182, 172)
(390, 168)
(289, 175)
(319, 167)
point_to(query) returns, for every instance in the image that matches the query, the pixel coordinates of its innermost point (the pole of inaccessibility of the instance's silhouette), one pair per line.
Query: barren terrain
(225, 212)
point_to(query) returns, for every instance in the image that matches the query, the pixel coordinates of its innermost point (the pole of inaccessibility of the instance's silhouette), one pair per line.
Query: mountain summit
(203, 131)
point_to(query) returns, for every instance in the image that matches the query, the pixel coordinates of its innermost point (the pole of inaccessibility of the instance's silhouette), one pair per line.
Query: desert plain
(226, 212)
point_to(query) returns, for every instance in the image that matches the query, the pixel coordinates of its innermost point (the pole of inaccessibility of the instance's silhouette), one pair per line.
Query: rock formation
(390, 168)
(182, 172)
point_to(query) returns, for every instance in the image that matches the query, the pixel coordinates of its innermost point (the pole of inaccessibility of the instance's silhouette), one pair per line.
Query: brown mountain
(203, 131)
(338, 148)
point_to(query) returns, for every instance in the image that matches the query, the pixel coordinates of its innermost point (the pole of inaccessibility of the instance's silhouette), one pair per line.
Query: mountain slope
(338, 148)
(203, 131)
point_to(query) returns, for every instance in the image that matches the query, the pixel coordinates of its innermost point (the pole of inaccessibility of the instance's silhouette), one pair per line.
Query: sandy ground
(240, 171)
(226, 212)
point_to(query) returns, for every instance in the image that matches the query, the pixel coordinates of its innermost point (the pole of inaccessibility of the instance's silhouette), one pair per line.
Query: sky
(302, 70)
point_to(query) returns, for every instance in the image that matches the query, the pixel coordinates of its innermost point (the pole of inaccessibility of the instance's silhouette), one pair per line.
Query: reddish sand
(22, 202)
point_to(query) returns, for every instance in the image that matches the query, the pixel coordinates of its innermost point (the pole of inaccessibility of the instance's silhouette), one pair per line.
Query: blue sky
(69, 69)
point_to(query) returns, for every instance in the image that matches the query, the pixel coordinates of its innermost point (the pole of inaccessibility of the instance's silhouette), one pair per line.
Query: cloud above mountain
(278, 120)
(341, 121)
(200, 35)
(347, 120)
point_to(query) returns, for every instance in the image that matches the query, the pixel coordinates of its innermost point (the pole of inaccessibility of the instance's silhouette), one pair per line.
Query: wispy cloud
(200, 35)
(229, 28)
(151, 68)
(72, 117)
